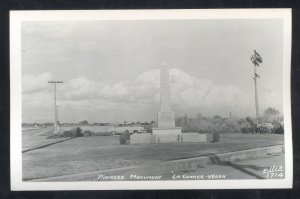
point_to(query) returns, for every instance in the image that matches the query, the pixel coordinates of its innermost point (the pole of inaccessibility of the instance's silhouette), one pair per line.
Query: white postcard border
(17, 17)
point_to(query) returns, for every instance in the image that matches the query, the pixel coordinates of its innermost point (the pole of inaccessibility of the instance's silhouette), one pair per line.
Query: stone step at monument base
(147, 138)
(168, 138)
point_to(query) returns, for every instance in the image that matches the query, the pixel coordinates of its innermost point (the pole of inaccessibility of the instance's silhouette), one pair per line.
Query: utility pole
(55, 107)
(256, 60)
(57, 119)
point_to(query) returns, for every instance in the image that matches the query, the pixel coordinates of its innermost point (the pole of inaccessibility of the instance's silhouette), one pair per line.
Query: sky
(110, 69)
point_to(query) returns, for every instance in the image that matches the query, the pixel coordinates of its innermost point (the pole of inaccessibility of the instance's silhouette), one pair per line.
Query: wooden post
(256, 60)
(256, 96)
(55, 107)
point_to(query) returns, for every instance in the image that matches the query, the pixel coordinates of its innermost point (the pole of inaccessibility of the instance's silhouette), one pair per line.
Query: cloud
(191, 94)
(79, 89)
(187, 92)
(271, 99)
(32, 84)
(142, 93)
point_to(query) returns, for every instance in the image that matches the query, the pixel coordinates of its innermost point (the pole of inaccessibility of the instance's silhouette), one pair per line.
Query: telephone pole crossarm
(57, 82)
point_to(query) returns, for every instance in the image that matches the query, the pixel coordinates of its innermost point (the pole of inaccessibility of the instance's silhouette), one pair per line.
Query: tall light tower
(256, 60)
(55, 107)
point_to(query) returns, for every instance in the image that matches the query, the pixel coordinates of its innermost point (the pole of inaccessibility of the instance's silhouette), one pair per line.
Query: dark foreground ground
(88, 154)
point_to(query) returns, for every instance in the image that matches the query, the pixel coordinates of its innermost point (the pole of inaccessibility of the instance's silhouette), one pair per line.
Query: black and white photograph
(151, 99)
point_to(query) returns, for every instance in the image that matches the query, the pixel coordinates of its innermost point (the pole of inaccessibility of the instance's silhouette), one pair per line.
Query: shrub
(67, 134)
(124, 137)
(201, 131)
(74, 132)
(148, 128)
(279, 130)
(247, 129)
(216, 137)
(87, 133)
(78, 132)
(127, 135)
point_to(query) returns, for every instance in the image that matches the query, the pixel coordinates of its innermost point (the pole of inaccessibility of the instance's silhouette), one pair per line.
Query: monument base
(166, 135)
(144, 138)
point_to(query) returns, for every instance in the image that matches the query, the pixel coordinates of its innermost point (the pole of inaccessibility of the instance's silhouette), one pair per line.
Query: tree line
(204, 124)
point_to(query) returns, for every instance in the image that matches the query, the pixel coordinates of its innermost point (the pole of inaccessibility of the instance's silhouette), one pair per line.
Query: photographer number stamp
(274, 172)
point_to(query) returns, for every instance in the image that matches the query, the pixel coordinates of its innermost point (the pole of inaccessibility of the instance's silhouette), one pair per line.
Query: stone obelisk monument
(166, 130)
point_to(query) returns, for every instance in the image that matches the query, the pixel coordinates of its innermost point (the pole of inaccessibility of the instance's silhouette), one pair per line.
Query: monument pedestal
(166, 119)
(166, 130)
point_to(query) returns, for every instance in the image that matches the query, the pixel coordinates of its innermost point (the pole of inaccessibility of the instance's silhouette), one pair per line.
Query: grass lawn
(86, 154)
(35, 138)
